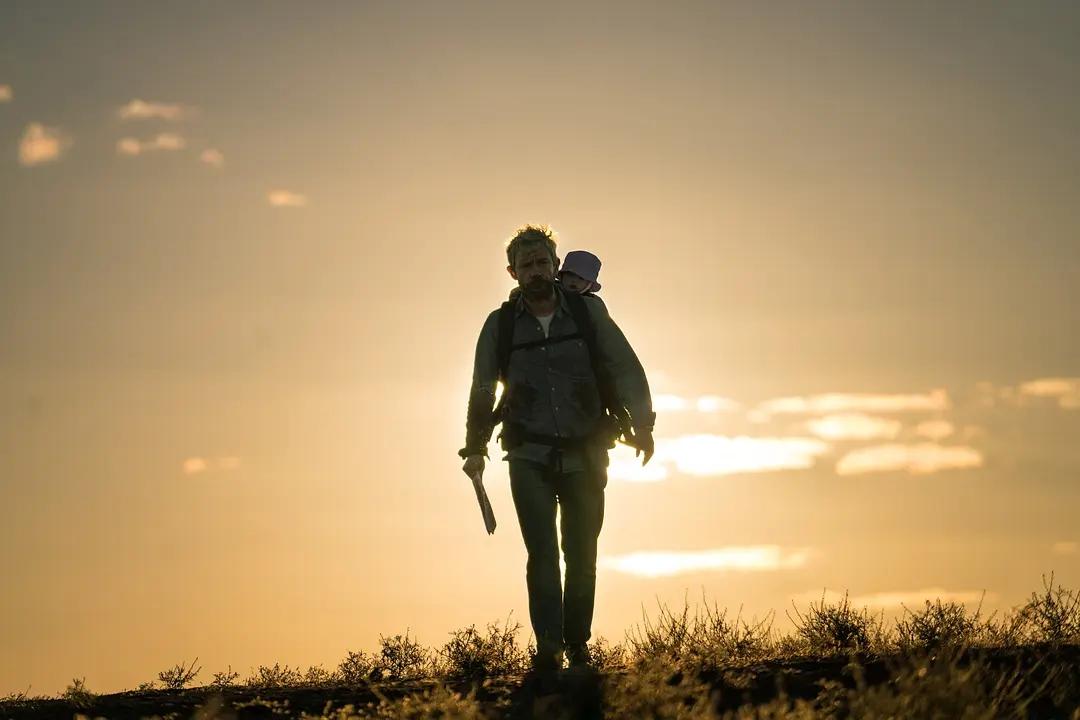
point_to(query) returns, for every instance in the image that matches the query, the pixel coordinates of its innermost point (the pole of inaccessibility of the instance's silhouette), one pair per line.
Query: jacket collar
(560, 306)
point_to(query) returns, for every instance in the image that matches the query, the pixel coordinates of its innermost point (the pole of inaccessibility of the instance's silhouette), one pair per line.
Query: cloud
(213, 157)
(1065, 389)
(162, 141)
(663, 403)
(6, 93)
(913, 599)
(917, 459)
(855, 426)
(937, 399)
(935, 429)
(143, 110)
(715, 403)
(195, 465)
(1065, 547)
(714, 455)
(286, 198)
(669, 403)
(40, 144)
(736, 559)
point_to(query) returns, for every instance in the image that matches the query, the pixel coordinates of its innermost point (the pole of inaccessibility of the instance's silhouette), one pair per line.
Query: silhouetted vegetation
(840, 661)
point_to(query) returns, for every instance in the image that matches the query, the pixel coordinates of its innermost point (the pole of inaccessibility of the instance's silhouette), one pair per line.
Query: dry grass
(934, 661)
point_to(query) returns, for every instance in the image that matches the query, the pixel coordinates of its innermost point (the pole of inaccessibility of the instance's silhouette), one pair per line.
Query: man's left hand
(643, 443)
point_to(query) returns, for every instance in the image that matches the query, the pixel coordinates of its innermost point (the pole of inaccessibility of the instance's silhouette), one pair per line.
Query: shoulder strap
(505, 343)
(604, 384)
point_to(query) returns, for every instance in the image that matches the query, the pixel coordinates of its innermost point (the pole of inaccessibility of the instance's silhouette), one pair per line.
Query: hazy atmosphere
(246, 250)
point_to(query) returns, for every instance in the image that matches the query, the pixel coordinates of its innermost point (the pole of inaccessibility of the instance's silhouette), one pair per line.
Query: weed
(77, 694)
(473, 654)
(225, 679)
(839, 628)
(402, 659)
(178, 677)
(271, 677)
(938, 625)
(357, 667)
(1054, 616)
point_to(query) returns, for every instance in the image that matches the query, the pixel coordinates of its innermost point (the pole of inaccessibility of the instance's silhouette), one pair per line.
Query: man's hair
(529, 236)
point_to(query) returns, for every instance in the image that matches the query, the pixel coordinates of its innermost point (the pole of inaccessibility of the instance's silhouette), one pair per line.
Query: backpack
(615, 420)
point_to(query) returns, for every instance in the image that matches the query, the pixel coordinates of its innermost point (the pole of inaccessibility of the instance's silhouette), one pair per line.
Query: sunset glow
(247, 251)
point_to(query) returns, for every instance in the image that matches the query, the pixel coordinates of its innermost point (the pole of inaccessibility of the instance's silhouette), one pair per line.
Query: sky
(246, 250)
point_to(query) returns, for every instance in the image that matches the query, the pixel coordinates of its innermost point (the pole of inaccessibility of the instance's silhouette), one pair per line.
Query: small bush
(277, 676)
(475, 655)
(179, 676)
(838, 629)
(357, 667)
(1011, 630)
(77, 694)
(608, 657)
(703, 639)
(938, 625)
(225, 679)
(317, 675)
(1054, 616)
(402, 659)
(669, 638)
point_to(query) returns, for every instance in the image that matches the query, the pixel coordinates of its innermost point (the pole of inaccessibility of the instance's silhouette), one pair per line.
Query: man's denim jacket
(550, 388)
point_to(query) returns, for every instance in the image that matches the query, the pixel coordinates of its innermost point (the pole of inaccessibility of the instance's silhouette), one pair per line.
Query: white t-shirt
(545, 322)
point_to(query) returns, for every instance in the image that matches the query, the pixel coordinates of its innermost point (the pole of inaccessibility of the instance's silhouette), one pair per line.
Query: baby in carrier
(578, 274)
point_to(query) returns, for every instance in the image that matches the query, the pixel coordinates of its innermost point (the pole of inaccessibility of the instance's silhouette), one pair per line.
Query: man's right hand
(474, 465)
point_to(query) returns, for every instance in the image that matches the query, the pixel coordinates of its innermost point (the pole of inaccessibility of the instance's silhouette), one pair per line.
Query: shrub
(608, 657)
(178, 677)
(77, 694)
(402, 659)
(838, 629)
(668, 639)
(224, 679)
(472, 654)
(356, 667)
(938, 625)
(1054, 616)
(277, 676)
(704, 639)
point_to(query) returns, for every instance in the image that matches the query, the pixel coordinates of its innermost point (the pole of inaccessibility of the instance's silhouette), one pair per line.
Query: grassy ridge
(940, 660)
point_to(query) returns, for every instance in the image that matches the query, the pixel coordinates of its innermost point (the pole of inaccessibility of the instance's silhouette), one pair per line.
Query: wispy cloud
(145, 110)
(163, 141)
(196, 465)
(6, 93)
(937, 399)
(1065, 547)
(736, 559)
(212, 157)
(714, 455)
(286, 198)
(917, 459)
(40, 144)
(935, 429)
(665, 402)
(854, 426)
(1065, 389)
(912, 599)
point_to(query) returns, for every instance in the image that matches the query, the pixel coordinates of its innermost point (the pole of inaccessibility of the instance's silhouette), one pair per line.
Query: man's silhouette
(556, 433)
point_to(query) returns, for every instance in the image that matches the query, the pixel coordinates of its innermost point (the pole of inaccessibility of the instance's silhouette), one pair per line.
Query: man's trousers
(558, 618)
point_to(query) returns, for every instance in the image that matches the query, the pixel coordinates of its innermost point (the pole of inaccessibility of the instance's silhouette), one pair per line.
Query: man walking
(567, 371)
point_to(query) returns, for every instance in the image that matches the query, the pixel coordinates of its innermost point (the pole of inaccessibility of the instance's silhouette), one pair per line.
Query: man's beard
(538, 288)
